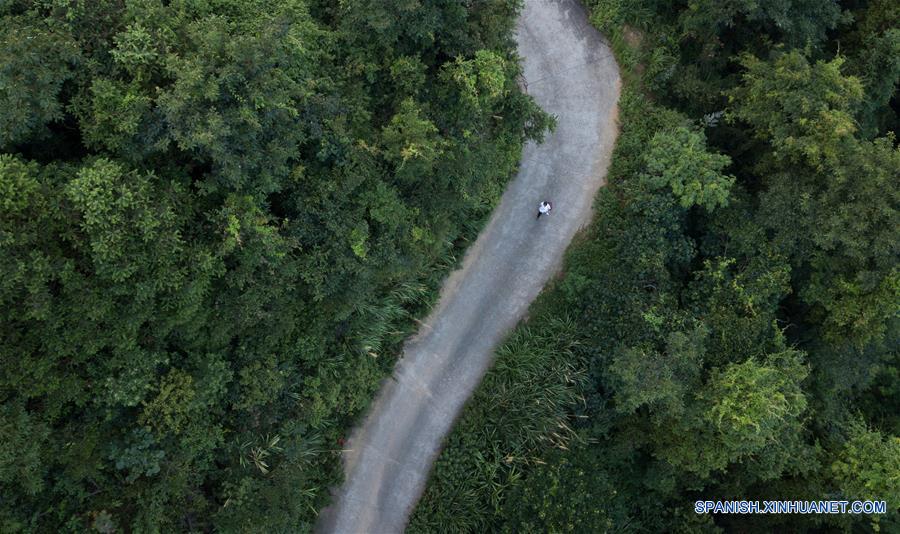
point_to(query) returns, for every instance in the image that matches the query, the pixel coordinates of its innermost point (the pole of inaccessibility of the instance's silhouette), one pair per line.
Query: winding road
(570, 72)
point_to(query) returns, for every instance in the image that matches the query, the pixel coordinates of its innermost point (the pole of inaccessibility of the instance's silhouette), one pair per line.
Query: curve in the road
(570, 72)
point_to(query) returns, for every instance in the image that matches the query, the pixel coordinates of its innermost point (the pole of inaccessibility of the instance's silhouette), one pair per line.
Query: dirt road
(570, 72)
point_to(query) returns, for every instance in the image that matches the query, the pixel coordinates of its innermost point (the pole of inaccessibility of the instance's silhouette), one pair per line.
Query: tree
(36, 60)
(21, 462)
(866, 468)
(739, 303)
(746, 410)
(679, 159)
(797, 22)
(473, 87)
(802, 110)
(846, 219)
(238, 98)
(873, 46)
(412, 143)
(660, 380)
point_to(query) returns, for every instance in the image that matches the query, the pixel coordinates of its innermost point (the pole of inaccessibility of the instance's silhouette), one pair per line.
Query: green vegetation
(728, 327)
(216, 220)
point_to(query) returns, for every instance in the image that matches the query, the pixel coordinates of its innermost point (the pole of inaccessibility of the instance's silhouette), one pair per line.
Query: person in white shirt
(544, 208)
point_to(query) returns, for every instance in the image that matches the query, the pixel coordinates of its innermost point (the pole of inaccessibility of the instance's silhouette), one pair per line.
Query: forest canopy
(217, 218)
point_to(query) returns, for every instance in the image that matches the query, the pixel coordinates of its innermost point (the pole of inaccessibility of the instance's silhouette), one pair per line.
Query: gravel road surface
(570, 72)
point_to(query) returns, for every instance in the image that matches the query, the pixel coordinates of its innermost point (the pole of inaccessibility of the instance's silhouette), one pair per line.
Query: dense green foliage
(216, 218)
(732, 326)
